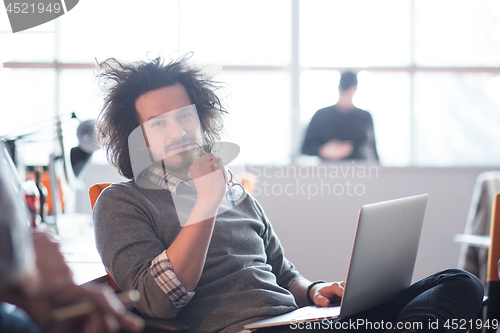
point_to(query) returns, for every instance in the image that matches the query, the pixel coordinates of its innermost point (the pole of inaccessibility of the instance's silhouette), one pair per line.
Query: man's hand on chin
(209, 180)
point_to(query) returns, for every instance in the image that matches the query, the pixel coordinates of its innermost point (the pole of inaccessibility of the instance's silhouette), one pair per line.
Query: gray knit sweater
(245, 275)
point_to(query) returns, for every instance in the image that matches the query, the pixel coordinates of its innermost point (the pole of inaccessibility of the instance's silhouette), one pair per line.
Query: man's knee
(465, 281)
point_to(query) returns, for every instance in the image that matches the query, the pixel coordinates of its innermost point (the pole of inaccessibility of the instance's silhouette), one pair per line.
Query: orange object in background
(94, 192)
(46, 182)
(248, 181)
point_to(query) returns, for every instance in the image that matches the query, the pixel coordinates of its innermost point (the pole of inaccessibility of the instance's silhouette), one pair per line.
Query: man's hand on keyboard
(326, 294)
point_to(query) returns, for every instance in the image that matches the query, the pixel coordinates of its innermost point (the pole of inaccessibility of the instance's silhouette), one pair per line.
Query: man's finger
(321, 300)
(328, 294)
(110, 323)
(131, 322)
(335, 289)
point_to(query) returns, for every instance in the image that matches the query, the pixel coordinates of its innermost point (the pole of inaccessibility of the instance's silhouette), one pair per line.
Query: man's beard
(181, 162)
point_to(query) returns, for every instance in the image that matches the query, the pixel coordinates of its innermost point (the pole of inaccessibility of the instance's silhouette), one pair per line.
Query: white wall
(317, 228)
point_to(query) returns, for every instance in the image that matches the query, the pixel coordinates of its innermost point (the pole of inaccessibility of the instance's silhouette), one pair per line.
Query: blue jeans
(447, 301)
(16, 322)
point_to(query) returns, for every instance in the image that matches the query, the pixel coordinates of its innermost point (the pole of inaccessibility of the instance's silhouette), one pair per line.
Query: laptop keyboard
(311, 312)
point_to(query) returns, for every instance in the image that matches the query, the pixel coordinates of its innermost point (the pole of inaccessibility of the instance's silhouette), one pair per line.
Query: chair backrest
(472, 258)
(494, 250)
(94, 192)
(493, 281)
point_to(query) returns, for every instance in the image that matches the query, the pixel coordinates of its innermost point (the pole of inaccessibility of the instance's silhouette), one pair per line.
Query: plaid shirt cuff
(163, 273)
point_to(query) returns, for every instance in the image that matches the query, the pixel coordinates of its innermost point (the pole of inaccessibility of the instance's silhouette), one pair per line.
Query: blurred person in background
(342, 131)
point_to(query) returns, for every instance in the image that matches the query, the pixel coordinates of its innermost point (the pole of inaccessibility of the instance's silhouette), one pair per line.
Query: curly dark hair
(124, 83)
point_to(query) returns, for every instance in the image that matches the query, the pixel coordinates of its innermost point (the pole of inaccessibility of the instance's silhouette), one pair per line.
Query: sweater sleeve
(283, 269)
(129, 249)
(313, 140)
(371, 137)
(165, 277)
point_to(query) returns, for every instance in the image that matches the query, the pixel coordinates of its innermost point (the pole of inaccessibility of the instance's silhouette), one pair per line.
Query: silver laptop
(382, 260)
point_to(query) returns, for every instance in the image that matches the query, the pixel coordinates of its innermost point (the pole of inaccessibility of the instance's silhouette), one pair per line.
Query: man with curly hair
(204, 260)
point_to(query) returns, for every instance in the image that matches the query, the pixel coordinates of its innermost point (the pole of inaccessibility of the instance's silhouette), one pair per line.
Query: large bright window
(355, 33)
(457, 33)
(27, 101)
(126, 30)
(238, 33)
(259, 115)
(457, 119)
(428, 70)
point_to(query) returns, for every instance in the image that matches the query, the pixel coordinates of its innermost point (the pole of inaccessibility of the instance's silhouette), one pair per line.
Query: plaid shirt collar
(158, 176)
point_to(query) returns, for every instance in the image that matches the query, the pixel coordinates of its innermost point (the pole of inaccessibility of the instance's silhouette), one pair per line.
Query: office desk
(79, 249)
(83, 259)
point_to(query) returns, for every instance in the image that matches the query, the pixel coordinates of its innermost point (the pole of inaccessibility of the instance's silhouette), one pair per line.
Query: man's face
(171, 126)
(349, 93)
